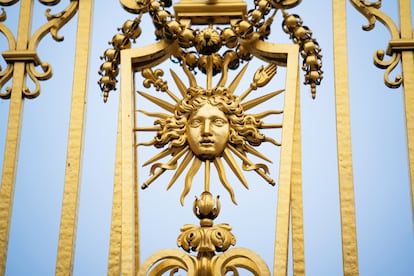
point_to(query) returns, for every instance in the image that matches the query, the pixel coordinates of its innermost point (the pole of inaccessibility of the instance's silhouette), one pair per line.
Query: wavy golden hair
(243, 128)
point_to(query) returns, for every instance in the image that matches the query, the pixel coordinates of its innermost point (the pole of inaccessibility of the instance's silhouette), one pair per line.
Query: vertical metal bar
(67, 235)
(10, 162)
(407, 58)
(13, 132)
(298, 250)
(127, 161)
(136, 188)
(114, 258)
(343, 129)
(286, 157)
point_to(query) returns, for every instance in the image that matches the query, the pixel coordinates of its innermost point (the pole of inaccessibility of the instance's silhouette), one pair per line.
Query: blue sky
(382, 192)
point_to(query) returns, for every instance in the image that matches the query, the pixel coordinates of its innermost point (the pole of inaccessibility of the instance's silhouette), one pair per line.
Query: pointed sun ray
(237, 79)
(154, 114)
(161, 103)
(259, 100)
(170, 165)
(189, 178)
(180, 85)
(191, 77)
(158, 156)
(222, 175)
(224, 71)
(181, 168)
(253, 151)
(234, 167)
(259, 169)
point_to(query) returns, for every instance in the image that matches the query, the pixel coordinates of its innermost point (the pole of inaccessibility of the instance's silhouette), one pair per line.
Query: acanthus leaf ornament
(6, 73)
(29, 55)
(211, 243)
(371, 11)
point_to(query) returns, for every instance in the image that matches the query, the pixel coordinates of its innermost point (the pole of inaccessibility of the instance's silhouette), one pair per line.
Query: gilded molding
(8, 2)
(241, 28)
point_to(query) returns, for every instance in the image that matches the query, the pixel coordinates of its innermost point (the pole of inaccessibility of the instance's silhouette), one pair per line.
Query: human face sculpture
(208, 132)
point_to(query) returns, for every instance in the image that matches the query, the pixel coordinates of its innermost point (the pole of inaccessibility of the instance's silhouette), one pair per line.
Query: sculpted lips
(206, 142)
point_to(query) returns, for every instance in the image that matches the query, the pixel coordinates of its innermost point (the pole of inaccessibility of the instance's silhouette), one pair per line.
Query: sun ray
(273, 141)
(264, 114)
(259, 100)
(161, 103)
(189, 178)
(270, 126)
(207, 176)
(209, 72)
(180, 85)
(253, 151)
(148, 143)
(259, 168)
(154, 114)
(158, 156)
(222, 175)
(147, 128)
(191, 77)
(237, 79)
(170, 165)
(181, 168)
(235, 167)
(224, 74)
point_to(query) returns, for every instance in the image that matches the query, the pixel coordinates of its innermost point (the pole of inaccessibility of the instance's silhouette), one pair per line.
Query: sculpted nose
(206, 130)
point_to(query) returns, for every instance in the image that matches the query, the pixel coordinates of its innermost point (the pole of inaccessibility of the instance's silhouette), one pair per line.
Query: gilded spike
(257, 153)
(158, 156)
(252, 103)
(166, 105)
(189, 178)
(189, 156)
(237, 79)
(234, 167)
(179, 83)
(222, 175)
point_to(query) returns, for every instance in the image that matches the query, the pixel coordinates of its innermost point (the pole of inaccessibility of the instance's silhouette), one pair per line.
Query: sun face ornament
(209, 125)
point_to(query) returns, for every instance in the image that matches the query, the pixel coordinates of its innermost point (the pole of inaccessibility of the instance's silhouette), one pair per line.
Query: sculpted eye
(219, 122)
(195, 123)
